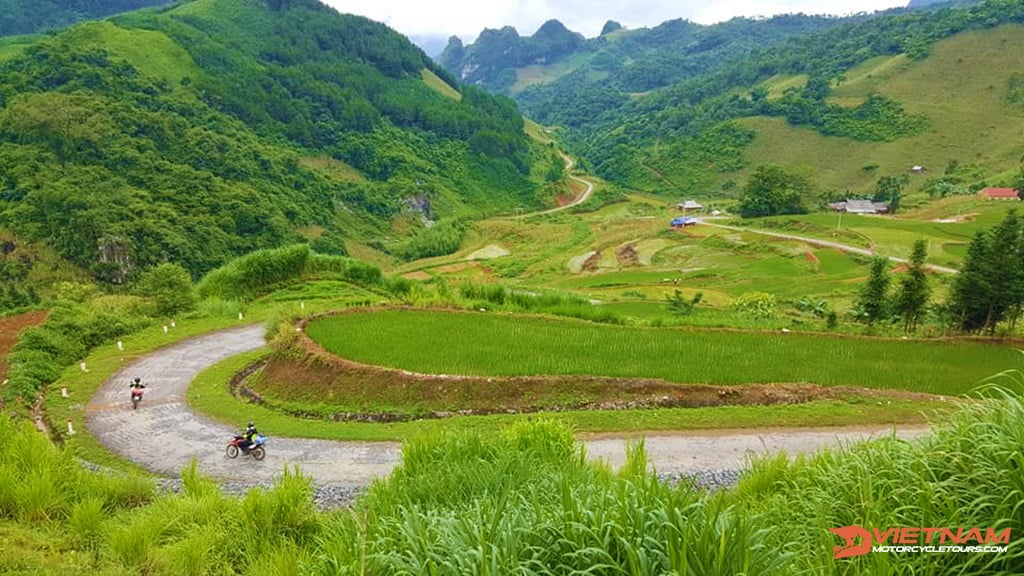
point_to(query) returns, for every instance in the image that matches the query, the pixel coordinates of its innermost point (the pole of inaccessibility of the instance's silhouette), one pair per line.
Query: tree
(914, 290)
(817, 88)
(678, 305)
(871, 302)
(889, 189)
(1004, 270)
(773, 190)
(1018, 181)
(968, 295)
(170, 287)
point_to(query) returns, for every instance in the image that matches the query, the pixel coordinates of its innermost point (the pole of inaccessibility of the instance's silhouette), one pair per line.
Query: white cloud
(466, 18)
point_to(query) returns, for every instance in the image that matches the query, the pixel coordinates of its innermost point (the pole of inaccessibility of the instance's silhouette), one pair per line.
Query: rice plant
(514, 345)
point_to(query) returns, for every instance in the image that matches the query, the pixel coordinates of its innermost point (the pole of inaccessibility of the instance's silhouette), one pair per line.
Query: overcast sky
(466, 18)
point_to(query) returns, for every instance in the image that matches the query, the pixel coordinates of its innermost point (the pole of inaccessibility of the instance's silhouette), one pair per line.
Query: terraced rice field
(440, 342)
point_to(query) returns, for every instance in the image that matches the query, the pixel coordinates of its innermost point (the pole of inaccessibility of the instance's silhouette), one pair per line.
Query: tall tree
(889, 189)
(1004, 270)
(772, 190)
(872, 300)
(914, 290)
(968, 295)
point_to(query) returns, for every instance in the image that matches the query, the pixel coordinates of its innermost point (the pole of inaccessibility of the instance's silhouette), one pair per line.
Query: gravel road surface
(163, 434)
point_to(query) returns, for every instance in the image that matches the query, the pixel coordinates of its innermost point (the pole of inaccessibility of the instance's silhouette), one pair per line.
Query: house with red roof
(1000, 194)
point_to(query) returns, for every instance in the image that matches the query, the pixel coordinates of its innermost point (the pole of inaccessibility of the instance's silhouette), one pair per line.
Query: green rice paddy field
(507, 345)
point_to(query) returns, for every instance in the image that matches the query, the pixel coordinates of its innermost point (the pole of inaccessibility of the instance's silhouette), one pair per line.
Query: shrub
(255, 273)
(680, 306)
(170, 288)
(755, 305)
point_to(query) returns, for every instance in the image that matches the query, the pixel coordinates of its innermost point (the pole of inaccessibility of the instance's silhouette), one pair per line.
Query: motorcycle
(136, 397)
(237, 445)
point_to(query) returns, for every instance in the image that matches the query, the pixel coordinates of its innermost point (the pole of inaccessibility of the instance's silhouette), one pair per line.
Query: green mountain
(492, 60)
(626, 61)
(31, 16)
(848, 106)
(215, 127)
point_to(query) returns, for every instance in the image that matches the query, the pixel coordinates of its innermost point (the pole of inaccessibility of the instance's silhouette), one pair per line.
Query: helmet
(137, 379)
(251, 424)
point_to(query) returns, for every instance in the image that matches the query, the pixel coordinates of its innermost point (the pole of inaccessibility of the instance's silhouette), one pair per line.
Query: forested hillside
(217, 127)
(694, 136)
(29, 16)
(619, 61)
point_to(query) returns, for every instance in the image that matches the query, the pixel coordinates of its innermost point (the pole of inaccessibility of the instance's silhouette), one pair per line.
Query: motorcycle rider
(249, 436)
(136, 389)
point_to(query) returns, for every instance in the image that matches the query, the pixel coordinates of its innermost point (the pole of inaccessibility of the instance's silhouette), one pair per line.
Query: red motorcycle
(256, 450)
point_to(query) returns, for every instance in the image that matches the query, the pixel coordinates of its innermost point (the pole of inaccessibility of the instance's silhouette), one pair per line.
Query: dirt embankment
(10, 327)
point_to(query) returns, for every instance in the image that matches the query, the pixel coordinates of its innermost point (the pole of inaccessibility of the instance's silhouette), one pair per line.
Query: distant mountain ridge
(871, 93)
(490, 59)
(31, 16)
(635, 60)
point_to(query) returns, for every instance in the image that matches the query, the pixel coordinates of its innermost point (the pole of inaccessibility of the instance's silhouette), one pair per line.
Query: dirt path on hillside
(163, 435)
(569, 164)
(822, 243)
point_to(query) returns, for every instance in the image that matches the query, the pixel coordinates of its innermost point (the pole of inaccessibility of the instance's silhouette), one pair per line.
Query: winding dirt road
(163, 434)
(569, 164)
(822, 243)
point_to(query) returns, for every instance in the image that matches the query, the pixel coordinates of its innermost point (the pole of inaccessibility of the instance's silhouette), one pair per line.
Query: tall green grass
(262, 271)
(968, 474)
(39, 483)
(526, 500)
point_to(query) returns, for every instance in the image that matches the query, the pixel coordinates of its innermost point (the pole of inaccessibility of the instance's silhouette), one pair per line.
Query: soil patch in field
(10, 327)
(576, 263)
(627, 256)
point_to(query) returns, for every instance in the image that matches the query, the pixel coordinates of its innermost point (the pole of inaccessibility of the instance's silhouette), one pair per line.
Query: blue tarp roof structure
(682, 221)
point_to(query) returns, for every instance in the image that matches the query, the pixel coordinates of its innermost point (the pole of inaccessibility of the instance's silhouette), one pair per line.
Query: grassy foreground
(505, 345)
(526, 501)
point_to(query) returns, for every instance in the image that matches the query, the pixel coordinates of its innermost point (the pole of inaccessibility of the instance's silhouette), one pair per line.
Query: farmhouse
(860, 207)
(1000, 194)
(689, 205)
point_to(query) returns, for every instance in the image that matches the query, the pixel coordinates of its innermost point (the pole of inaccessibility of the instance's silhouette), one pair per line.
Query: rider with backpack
(249, 435)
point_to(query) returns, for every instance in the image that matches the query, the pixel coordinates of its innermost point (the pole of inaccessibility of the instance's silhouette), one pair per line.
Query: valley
(682, 299)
